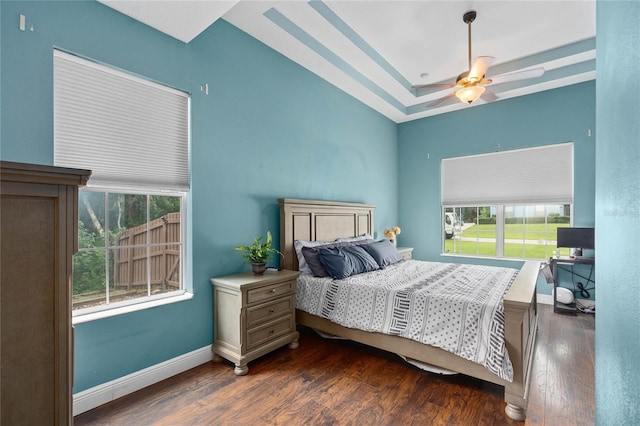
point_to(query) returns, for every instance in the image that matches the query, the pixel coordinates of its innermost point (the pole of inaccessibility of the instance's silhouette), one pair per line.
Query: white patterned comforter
(455, 307)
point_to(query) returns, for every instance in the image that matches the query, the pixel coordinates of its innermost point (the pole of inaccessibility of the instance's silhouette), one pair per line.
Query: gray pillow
(313, 261)
(342, 262)
(384, 253)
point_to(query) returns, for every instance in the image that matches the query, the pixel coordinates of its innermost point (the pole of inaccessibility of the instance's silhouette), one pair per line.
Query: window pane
(129, 278)
(89, 279)
(483, 230)
(530, 231)
(472, 231)
(561, 220)
(91, 219)
(165, 268)
(165, 218)
(126, 212)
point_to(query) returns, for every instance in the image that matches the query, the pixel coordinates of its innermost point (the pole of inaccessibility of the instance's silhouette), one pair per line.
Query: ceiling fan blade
(439, 101)
(520, 75)
(480, 67)
(488, 96)
(425, 89)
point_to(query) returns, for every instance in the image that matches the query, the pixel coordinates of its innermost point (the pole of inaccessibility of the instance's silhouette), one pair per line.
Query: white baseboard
(107, 392)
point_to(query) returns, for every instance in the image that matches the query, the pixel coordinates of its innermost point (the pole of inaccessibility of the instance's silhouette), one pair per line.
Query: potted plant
(258, 253)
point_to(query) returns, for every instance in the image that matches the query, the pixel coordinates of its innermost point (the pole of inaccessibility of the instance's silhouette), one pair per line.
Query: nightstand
(253, 315)
(405, 252)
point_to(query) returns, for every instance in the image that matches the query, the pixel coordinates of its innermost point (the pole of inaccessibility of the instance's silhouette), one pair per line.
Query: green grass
(515, 231)
(529, 232)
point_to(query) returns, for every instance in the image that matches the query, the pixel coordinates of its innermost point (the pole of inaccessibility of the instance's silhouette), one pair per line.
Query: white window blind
(539, 175)
(132, 133)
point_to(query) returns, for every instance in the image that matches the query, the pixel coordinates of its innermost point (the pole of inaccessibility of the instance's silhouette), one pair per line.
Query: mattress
(455, 307)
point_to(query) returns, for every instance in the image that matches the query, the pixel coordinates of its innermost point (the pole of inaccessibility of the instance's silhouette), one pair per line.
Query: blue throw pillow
(342, 262)
(313, 260)
(384, 253)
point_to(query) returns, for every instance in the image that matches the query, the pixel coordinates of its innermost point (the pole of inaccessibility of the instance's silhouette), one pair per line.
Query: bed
(314, 220)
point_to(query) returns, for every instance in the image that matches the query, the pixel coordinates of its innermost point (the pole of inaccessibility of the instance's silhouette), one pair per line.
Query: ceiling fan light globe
(470, 94)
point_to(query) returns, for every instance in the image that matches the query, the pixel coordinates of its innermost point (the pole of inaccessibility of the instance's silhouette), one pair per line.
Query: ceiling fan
(470, 84)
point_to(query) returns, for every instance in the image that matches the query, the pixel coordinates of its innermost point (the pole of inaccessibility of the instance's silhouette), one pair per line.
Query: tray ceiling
(377, 50)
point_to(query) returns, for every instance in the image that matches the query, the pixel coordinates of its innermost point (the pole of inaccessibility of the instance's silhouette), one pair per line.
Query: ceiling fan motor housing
(469, 16)
(462, 76)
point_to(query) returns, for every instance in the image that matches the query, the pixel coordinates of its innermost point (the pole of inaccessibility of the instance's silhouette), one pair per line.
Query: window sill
(130, 308)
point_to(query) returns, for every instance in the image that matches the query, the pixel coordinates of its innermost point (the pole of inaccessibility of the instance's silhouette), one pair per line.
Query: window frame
(110, 309)
(500, 229)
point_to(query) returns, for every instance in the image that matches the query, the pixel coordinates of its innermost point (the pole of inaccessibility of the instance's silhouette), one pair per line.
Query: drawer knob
(271, 310)
(273, 290)
(271, 331)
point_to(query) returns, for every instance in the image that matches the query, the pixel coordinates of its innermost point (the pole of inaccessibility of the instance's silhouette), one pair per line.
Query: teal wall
(544, 118)
(267, 129)
(270, 129)
(617, 213)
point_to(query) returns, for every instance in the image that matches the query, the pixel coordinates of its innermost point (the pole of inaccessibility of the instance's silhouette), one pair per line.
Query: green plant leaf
(259, 251)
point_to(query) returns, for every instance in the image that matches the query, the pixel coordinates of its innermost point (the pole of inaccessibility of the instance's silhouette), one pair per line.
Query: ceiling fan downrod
(468, 18)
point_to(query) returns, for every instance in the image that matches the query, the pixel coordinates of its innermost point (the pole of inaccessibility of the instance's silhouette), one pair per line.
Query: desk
(578, 260)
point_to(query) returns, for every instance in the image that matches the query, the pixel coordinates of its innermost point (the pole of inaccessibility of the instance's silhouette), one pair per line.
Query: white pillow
(351, 239)
(302, 263)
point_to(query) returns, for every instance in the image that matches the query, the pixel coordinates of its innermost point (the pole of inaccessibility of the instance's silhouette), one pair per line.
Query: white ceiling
(377, 50)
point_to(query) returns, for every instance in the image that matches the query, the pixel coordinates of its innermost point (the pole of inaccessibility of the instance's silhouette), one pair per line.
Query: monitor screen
(576, 238)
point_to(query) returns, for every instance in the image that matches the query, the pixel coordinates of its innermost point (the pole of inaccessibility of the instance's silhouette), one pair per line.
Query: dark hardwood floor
(326, 382)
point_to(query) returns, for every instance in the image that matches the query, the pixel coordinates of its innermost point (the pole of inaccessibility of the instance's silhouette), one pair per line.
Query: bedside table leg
(294, 344)
(241, 370)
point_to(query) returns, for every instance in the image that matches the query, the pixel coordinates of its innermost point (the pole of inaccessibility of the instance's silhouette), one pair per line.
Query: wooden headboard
(314, 220)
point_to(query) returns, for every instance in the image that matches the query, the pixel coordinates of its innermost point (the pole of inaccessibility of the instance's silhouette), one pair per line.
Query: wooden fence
(130, 267)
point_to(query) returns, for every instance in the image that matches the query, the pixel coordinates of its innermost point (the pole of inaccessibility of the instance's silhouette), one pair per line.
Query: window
(524, 231)
(507, 204)
(133, 134)
(130, 249)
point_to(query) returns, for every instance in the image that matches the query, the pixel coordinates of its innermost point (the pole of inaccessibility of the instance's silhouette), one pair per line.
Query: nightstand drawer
(270, 291)
(270, 310)
(261, 335)
(406, 252)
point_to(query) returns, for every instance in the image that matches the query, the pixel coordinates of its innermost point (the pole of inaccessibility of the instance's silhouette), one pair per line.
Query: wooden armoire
(39, 217)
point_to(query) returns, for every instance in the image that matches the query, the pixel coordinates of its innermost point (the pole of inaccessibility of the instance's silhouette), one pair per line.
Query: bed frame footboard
(521, 325)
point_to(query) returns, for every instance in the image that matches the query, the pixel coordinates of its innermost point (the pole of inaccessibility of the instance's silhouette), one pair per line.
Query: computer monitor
(576, 238)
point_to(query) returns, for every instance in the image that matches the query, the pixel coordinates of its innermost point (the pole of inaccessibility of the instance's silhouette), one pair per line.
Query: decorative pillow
(342, 262)
(313, 261)
(383, 252)
(298, 245)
